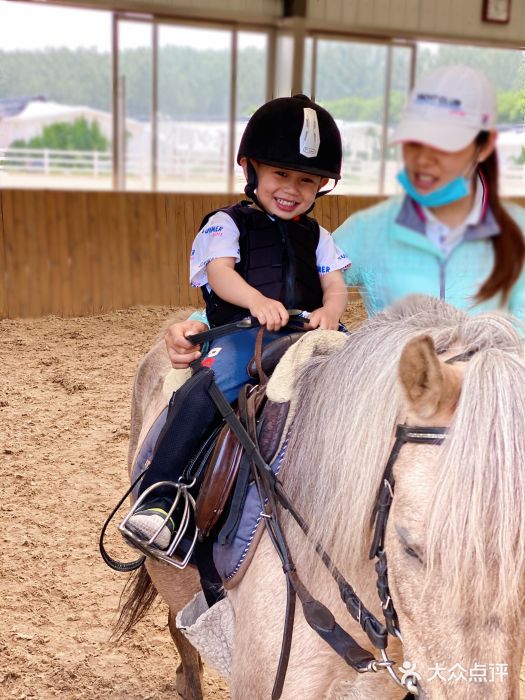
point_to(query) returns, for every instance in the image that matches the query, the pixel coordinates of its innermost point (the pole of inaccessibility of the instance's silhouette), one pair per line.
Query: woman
(450, 235)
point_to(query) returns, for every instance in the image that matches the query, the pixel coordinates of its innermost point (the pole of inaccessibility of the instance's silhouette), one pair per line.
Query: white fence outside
(47, 161)
(185, 170)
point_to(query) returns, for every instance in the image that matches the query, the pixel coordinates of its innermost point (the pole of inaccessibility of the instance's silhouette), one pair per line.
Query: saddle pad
(174, 380)
(312, 344)
(232, 560)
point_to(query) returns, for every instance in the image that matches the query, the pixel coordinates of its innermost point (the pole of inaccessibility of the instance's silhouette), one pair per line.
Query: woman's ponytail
(509, 245)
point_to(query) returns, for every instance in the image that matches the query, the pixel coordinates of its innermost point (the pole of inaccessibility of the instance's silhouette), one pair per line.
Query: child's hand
(324, 318)
(270, 312)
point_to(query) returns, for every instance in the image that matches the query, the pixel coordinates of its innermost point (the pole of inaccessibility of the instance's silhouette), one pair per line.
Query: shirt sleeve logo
(215, 230)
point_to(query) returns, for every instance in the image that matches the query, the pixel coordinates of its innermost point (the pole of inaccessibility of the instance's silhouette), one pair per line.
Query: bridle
(404, 434)
(318, 616)
(321, 619)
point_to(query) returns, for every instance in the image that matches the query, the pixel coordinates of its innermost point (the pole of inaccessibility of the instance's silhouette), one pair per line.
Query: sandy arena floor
(65, 388)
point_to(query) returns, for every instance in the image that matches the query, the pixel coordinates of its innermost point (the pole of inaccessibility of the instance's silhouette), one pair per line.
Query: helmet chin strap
(251, 186)
(320, 193)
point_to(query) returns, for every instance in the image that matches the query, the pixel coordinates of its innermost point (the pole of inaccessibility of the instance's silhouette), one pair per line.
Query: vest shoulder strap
(241, 211)
(233, 212)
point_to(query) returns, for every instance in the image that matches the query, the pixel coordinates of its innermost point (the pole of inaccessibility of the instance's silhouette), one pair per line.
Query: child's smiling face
(285, 193)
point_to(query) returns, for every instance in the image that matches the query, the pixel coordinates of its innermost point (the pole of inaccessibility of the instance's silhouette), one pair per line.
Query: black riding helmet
(293, 133)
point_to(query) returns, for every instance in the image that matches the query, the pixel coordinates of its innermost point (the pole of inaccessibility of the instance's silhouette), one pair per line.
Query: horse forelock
(342, 434)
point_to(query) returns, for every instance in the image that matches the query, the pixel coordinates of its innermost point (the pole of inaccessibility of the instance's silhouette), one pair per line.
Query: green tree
(67, 136)
(75, 77)
(511, 107)
(194, 83)
(365, 109)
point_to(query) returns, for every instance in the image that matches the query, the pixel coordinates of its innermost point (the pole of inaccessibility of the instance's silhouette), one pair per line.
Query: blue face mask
(451, 192)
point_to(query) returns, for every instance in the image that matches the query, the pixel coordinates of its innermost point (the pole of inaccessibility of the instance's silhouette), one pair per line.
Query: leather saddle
(264, 421)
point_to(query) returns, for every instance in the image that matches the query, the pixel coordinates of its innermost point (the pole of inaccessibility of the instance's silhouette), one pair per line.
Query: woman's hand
(181, 352)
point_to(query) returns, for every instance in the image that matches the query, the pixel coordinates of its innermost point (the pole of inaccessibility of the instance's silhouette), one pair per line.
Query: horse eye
(411, 552)
(404, 538)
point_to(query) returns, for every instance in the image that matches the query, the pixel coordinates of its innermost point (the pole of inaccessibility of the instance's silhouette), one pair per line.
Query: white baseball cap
(448, 108)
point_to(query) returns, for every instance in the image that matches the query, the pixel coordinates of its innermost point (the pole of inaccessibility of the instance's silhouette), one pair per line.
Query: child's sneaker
(145, 523)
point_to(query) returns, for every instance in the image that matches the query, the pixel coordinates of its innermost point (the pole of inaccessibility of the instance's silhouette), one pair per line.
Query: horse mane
(333, 473)
(476, 523)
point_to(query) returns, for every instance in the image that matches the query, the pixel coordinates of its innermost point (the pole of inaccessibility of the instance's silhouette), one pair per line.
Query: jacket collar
(411, 216)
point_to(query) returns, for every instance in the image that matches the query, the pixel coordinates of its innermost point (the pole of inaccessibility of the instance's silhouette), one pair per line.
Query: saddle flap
(218, 481)
(225, 462)
(217, 491)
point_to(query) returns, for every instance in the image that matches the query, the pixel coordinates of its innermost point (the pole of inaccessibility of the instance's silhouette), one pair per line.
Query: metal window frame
(118, 105)
(233, 107)
(390, 44)
(270, 26)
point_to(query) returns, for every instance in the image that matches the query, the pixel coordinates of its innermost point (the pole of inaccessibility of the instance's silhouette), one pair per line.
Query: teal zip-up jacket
(392, 257)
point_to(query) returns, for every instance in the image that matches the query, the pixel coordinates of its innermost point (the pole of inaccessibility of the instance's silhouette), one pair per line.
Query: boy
(263, 257)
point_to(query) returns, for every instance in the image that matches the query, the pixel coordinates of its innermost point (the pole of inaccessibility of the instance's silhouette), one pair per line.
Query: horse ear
(430, 385)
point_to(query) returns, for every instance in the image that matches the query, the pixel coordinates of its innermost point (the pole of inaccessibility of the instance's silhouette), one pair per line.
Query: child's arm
(335, 298)
(230, 286)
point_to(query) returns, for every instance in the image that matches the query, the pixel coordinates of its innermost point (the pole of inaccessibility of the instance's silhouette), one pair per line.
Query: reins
(323, 622)
(296, 321)
(122, 567)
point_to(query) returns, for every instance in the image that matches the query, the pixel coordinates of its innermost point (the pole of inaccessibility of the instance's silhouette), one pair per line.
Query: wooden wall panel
(3, 270)
(82, 253)
(35, 262)
(19, 258)
(186, 242)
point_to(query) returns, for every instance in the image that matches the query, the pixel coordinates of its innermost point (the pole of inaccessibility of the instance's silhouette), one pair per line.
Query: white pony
(455, 537)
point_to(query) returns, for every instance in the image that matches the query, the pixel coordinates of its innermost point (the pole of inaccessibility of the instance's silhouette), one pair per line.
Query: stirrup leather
(183, 528)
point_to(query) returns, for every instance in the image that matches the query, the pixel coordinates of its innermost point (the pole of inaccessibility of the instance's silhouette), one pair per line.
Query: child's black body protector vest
(278, 258)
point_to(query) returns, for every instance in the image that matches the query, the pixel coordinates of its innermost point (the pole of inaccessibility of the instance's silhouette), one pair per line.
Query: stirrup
(168, 556)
